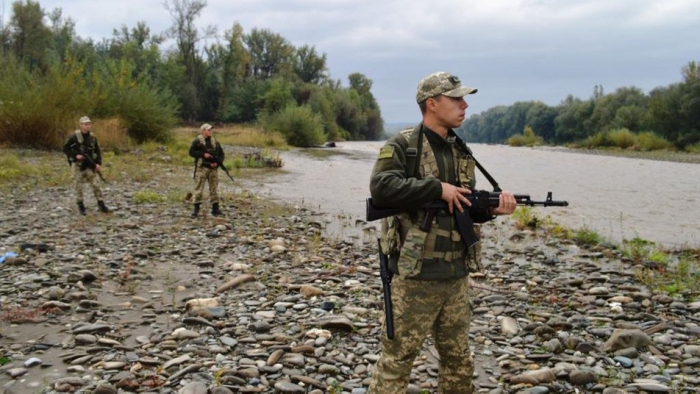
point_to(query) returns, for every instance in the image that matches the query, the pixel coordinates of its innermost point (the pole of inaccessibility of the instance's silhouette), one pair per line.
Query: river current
(619, 198)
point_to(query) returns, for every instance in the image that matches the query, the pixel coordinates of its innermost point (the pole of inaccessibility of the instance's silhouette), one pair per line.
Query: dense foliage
(50, 77)
(625, 118)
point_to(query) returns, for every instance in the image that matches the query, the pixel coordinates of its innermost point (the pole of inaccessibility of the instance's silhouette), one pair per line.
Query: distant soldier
(209, 151)
(84, 156)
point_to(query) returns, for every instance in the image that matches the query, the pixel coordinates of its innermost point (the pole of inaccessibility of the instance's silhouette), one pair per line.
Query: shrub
(112, 135)
(10, 167)
(621, 138)
(527, 138)
(695, 148)
(525, 217)
(597, 140)
(38, 110)
(637, 249)
(299, 125)
(586, 236)
(647, 141)
(147, 113)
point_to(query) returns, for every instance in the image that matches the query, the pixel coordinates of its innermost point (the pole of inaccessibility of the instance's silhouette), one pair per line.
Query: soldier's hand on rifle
(506, 204)
(207, 156)
(97, 168)
(454, 196)
(79, 157)
(214, 165)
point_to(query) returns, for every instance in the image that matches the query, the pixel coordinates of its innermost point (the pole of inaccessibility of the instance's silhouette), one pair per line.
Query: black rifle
(481, 202)
(87, 162)
(386, 276)
(216, 159)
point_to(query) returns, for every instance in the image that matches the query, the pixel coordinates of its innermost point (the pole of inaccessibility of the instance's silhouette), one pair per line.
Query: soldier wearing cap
(84, 156)
(430, 286)
(209, 151)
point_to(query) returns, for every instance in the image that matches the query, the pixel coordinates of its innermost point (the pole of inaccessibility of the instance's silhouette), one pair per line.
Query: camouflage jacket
(202, 145)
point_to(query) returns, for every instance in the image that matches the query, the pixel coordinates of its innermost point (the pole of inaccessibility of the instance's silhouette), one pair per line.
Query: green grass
(587, 236)
(147, 197)
(525, 217)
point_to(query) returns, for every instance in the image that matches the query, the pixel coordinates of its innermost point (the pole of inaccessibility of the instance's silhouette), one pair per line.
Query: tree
(309, 66)
(229, 63)
(187, 36)
(30, 37)
(63, 33)
(271, 54)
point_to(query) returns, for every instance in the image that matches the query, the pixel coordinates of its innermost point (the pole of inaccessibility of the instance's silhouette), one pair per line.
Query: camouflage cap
(206, 126)
(84, 119)
(441, 83)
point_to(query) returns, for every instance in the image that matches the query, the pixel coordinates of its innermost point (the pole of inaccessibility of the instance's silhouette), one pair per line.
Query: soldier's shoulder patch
(387, 152)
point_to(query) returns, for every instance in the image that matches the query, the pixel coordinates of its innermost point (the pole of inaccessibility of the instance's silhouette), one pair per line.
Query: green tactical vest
(439, 253)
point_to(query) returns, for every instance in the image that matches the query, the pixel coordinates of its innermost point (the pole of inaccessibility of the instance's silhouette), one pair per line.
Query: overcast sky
(511, 50)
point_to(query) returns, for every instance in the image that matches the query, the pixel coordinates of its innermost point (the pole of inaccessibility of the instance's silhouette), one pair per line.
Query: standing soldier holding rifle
(209, 151)
(429, 259)
(84, 156)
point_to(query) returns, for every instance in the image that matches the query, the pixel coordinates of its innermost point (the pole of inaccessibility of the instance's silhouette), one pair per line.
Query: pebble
(149, 301)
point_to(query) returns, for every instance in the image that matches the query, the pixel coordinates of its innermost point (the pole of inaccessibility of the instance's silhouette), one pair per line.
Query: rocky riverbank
(147, 299)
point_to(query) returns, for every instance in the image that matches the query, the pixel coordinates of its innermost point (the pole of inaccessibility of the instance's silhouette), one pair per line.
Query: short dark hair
(423, 104)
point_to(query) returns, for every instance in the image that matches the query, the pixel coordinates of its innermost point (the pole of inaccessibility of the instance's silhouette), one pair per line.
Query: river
(619, 198)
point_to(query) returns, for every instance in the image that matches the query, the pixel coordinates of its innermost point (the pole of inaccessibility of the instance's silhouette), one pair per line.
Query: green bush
(695, 148)
(147, 113)
(621, 138)
(39, 110)
(527, 138)
(299, 126)
(597, 140)
(647, 141)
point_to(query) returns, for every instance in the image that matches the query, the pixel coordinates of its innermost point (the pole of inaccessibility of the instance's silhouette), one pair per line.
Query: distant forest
(49, 76)
(670, 113)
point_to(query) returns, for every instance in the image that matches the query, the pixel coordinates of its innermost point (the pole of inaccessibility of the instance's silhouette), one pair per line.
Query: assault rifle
(216, 159)
(87, 162)
(481, 202)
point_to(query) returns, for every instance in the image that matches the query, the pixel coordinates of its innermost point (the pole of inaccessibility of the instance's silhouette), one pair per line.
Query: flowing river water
(619, 198)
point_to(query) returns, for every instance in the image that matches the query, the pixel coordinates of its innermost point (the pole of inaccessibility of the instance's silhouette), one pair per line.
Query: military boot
(81, 207)
(196, 210)
(215, 210)
(103, 207)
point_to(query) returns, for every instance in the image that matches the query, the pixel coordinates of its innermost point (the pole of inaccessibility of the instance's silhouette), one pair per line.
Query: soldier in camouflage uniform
(430, 287)
(207, 149)
(84, 156)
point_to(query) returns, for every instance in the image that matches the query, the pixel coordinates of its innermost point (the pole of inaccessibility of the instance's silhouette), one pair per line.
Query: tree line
(670, 113)
(49, 76)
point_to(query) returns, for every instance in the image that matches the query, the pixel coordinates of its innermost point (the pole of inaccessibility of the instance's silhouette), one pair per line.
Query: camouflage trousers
(423, 307)
(87, 176)
(204, 175)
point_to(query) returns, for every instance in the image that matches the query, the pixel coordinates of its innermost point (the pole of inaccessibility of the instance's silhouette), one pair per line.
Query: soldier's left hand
(97, 168)
(506, 204)
(214, 165)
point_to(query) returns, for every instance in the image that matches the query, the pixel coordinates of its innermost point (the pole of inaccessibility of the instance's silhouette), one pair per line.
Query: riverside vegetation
(148, 300)
(257, 78)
